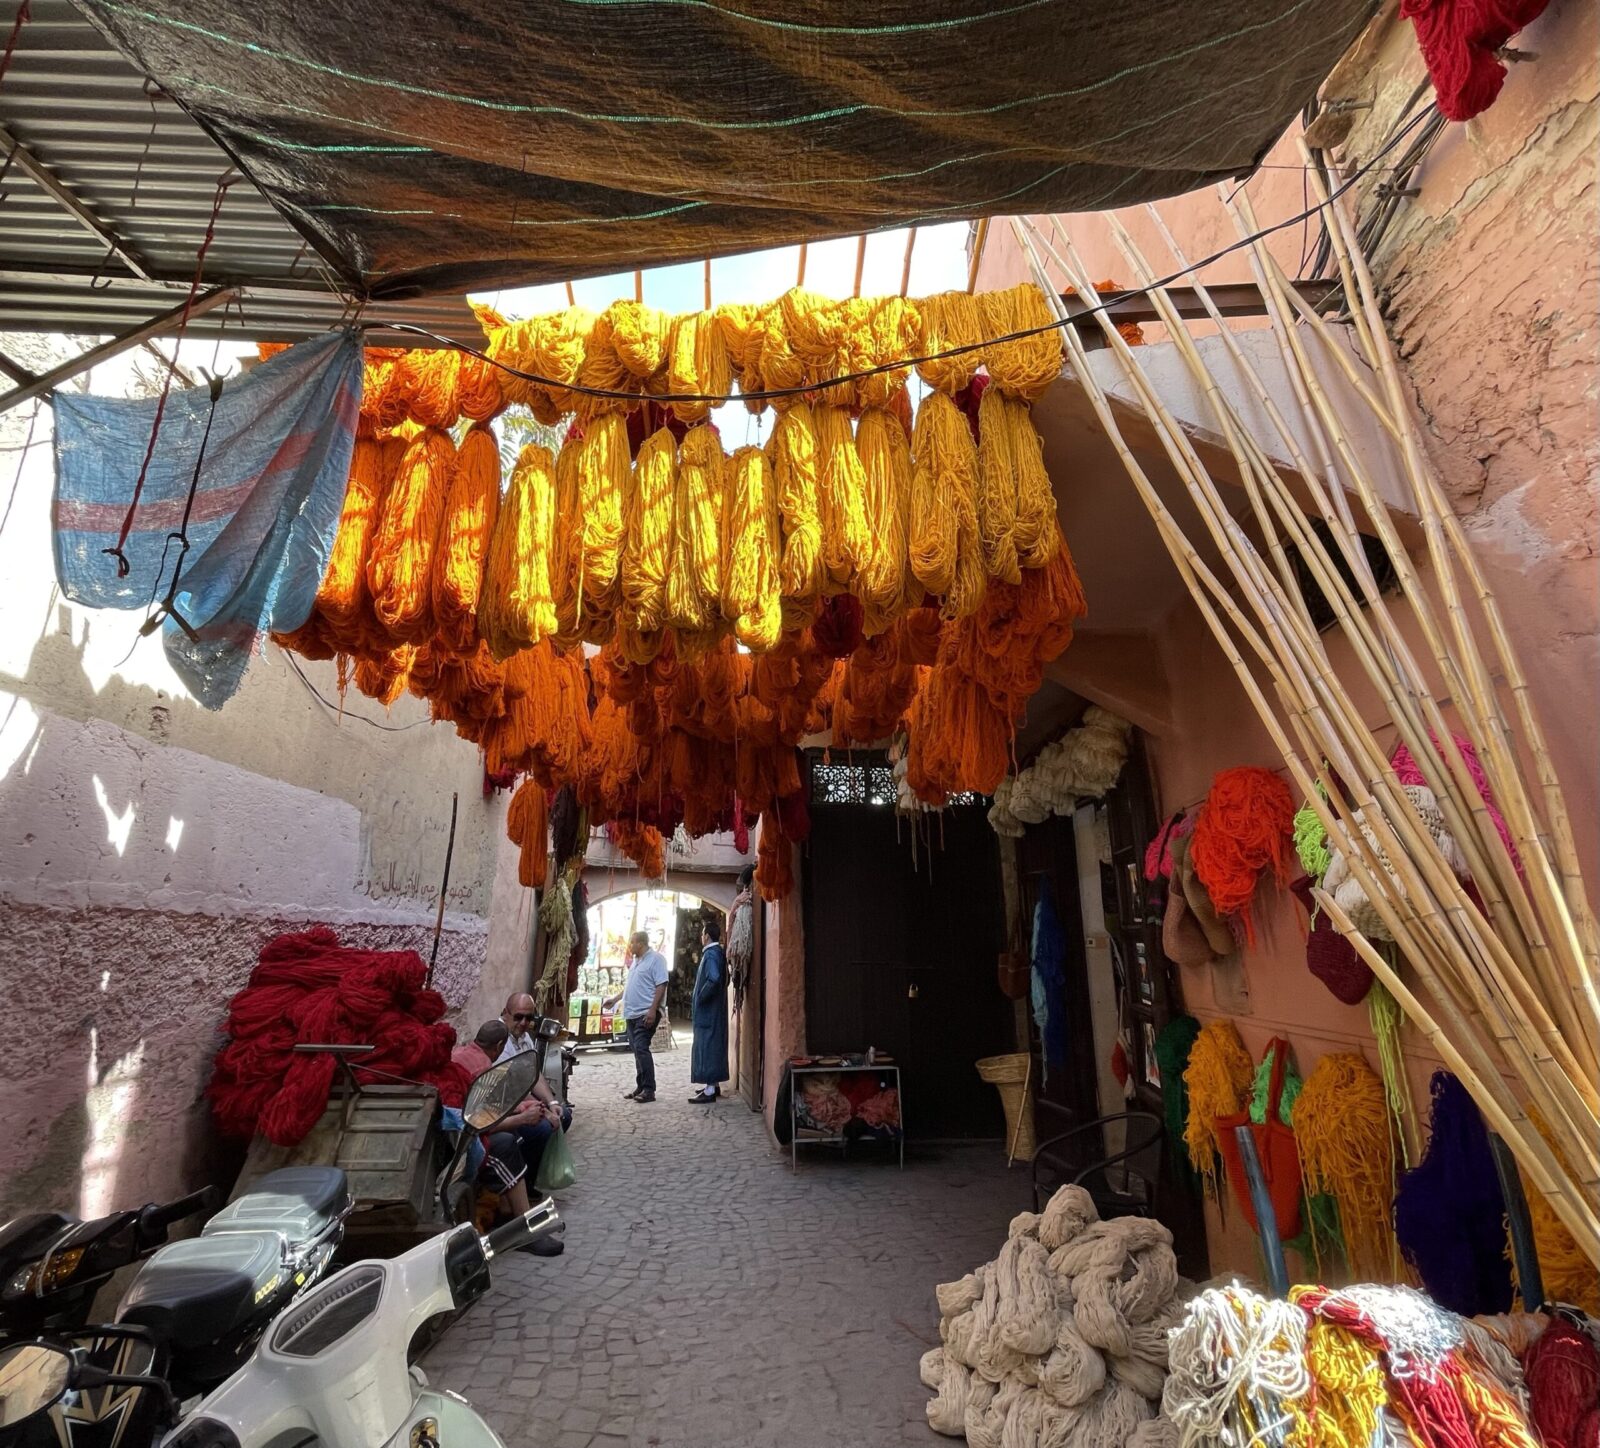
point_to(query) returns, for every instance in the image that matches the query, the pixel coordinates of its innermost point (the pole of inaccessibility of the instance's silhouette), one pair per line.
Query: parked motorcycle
(333, 1369)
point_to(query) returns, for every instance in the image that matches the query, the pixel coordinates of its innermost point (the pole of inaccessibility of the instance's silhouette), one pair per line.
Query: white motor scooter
(332, 1370)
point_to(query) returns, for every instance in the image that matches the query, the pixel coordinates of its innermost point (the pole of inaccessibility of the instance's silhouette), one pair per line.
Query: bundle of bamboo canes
(1506, 990)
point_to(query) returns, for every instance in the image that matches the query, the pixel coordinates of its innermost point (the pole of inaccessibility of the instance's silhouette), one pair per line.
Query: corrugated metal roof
(148, 172)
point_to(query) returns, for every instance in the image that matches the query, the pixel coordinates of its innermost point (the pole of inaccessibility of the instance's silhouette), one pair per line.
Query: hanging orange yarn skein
(470, 511)
(885, 583)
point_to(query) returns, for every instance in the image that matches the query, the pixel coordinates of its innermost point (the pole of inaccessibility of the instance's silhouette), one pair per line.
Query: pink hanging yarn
(1158, 861)
(1408, 772)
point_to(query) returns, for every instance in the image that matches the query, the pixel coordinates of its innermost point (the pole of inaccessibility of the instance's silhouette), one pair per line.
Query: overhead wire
(804, 389)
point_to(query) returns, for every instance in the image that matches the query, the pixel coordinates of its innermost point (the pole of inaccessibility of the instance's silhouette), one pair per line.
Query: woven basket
(1009, 1075)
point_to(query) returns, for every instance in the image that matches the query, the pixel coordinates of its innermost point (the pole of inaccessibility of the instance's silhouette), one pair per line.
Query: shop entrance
(901, 939)
(672, 919)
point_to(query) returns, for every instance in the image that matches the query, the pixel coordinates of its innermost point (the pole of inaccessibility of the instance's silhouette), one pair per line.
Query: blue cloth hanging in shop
(272, 450)
(1049, 980)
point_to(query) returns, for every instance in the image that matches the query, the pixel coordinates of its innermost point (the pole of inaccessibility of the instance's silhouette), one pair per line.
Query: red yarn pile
(1246, 826)
(1562, 1370)
(1458, 40)
(309, 988)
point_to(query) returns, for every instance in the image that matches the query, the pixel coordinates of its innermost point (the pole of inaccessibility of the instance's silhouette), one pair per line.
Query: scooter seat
(299, 1202)
(195, 1293)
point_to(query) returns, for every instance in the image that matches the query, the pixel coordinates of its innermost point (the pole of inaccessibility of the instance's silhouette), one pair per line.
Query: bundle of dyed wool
(309, 988)
(1244, 829)
(1449, 1214)
(1562, 1370)
(1062, 1339)
(526, 822)
(1217, 1079)
(1345, 1133)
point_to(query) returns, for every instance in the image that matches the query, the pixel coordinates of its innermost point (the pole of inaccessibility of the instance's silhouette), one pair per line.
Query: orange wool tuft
(400, 565)
(469, 517)
(1245, 827)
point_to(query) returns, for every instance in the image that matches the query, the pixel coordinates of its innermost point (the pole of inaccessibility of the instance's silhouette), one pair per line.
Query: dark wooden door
(901, 945)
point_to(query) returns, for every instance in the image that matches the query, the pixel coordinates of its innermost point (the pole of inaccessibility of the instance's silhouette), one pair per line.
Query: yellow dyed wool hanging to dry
(648, 540)
(773, 359)
(1218, 1078)
(739, 326)
(944, 467)
(516, 609)
(697, 362)
(400, 566)
(1346, 1139)
(566, 543)
(750, 597)
(605, 475)
(1012, 445)
(997, 492)
(893, 331)
(604, 369)
(554, 346)
(949, 319)
(694, 579)
(469, 516)
(1024, 368)
(640, 335)
(882, 582)
(842, 491)
(795, 454)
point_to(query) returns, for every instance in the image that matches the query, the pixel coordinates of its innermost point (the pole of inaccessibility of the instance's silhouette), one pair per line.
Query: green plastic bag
(557, 1169)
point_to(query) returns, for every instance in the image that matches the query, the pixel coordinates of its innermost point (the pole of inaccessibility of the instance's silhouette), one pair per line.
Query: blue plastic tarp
(266, 506)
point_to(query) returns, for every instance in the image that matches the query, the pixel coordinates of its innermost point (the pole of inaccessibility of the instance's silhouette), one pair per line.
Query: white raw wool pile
(1083, 764)
(1061, 1341)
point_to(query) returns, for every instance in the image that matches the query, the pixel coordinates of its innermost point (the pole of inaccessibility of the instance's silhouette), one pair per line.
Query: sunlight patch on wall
(118, 826)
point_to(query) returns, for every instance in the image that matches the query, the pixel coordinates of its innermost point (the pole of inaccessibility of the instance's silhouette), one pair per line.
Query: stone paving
(709, 1298)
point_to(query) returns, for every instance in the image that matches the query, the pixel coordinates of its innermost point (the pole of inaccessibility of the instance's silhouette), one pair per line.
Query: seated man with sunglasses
(538, 1117)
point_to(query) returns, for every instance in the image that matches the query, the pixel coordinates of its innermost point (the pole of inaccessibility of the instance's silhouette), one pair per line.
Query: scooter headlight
(330, 1313)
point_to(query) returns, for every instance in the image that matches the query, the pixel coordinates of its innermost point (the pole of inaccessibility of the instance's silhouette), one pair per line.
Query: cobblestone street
(709, 1298)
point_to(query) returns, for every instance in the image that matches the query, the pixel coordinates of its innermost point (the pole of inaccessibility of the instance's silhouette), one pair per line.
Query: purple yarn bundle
(1449, 1216)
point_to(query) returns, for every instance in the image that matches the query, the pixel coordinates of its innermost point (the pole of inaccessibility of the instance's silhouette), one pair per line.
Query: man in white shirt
(641, 999)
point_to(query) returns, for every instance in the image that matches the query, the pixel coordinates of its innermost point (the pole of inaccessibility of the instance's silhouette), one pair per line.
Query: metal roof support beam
(49, 182)
(49, 381)
(14, 370)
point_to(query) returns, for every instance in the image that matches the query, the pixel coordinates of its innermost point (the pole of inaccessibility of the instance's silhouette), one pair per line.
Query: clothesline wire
(347, 713)
(771, 394)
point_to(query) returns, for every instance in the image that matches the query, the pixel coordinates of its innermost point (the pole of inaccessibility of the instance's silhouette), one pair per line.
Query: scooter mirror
(34, 1377)
(497, 1092)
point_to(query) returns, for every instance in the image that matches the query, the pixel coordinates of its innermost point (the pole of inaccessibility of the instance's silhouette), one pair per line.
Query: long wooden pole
(444, 886)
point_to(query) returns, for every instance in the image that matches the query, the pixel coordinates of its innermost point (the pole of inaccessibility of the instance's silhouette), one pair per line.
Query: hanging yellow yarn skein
(555, 348)
(1024, 368)
(605, 476)
(997, 492)
(566, 543)
(1219, 1077)
(648, 540)
(1011, 445)
(842, 493)
(885, 584)
(739, 326)
(773, 360)
(795, 453)
(694, 580)
(750, 597)
(516, 609)
(944, 464)
(697, 361)
(470, 511)
(639, 335)
(400, 565)
(893, 330)
(949, 319)
(1346, 1138)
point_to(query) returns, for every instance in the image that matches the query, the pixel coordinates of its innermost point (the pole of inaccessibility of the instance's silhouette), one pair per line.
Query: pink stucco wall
(1491, 278)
